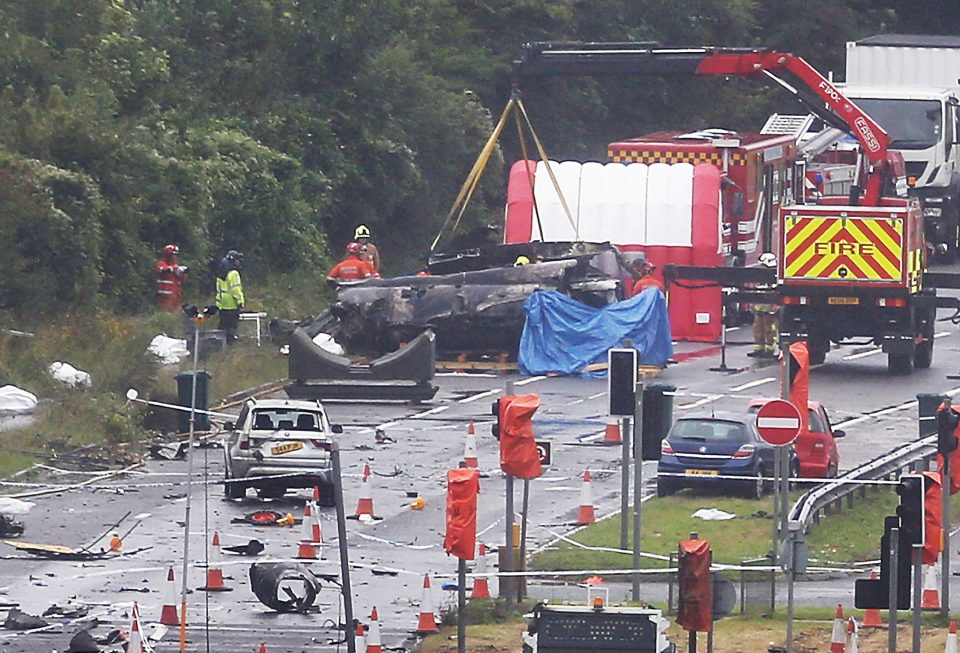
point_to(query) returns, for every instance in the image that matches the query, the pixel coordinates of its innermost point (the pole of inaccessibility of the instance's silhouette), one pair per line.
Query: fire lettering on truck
(839, 248)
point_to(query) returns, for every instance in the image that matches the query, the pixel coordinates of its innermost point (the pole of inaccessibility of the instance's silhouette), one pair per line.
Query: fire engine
(848, 267)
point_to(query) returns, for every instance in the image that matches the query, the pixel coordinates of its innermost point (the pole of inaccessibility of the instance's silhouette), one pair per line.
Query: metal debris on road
(284, 586)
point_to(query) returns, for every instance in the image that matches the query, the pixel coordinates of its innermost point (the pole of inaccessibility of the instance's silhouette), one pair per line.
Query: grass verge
(849, 536)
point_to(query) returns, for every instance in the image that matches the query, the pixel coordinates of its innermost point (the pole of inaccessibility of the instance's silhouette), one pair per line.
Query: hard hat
(362, 232)
(768, 259)
(521, 260)
(354, 248)
(171, 249)
(234, 255)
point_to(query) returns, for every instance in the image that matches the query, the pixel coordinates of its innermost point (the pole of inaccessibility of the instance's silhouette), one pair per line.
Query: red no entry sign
(778, 422)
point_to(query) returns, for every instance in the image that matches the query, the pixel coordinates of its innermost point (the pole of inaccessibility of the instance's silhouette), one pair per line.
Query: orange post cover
(518, 449)
(800, 382)
(696, 596)
(461, 537)
(933, 519)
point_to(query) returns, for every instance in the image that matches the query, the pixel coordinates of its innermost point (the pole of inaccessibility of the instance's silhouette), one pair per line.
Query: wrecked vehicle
(472, 299)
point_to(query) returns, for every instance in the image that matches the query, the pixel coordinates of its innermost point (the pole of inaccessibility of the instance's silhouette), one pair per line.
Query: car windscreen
(286, 419)
(709, 430)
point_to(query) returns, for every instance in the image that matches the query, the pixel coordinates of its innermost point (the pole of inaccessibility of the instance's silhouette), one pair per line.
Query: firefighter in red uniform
(354, 267)
(643, 277)
(170, 277)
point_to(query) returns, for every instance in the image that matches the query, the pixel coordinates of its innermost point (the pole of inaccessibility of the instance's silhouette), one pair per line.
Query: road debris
(168, 351)
(251, 548)
(267, 518)
(284, 586)
(17, 619)
(67, 374)
(16, 401)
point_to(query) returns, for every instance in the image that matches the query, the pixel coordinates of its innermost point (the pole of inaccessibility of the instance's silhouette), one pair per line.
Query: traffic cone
(481, 588)
(214, 572)
(853, 636)
(373, 633)
(428, 622)
(135, 645)
(611, 435)
(312, 538)
(951, 646)
(116, 544)
(871, 616)
(316, 495)
(930, 599)
(365, 502)
(263, 647)
(470, 448)
(359, 641)
(838, 637)
(586, 515)
(168, 614)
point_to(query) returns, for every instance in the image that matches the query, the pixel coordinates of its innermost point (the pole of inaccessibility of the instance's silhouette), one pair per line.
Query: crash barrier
(671, 213)
(829, 496)
(201, 421)
(403, 374)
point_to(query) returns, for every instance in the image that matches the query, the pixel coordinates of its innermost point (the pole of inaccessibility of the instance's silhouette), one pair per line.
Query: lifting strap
(515, 106)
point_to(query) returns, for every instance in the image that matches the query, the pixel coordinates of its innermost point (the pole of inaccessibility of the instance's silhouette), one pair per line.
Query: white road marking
(941, 334)
(432, 411)
(701, 402)
(532, 379)
(736, 328)
(598, 395)
(863, 354)
(488, 393)
(753, 384)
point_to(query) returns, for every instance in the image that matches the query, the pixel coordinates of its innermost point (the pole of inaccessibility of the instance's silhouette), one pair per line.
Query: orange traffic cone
(316, 495)
(311, 534)
(470, 448)
(871, 616)
(951, 646)
(116, 544)
(930, 599)
(611, 435)
(135, 645)
(481, 587)
(586, 515)
(263, 647)
(373, 633)
(214, 572)
(365, 502)
(359, 641)
(838, 637)
(853, 636)
(428, 622)
(168, 614)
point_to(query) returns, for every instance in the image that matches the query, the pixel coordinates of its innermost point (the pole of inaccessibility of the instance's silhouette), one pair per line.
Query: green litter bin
(184, 397)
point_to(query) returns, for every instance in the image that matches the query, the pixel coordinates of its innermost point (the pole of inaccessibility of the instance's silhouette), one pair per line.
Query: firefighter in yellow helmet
(370, 251)
(765, 328)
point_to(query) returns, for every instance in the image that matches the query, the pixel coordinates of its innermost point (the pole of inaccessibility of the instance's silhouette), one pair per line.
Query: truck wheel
(818, 350)
(923, 355)
(900, 364)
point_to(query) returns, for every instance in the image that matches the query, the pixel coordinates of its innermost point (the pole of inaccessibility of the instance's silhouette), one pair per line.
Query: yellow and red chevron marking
(657, 156)
(847, 249)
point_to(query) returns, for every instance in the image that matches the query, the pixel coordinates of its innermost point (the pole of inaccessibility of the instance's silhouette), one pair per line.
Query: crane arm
(642, 59)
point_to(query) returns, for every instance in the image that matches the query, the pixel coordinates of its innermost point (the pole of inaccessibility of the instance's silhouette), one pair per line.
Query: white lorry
(909, 85)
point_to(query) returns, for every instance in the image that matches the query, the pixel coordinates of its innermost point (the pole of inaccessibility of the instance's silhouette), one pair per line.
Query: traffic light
(911, 509)
(499, 409)
(875, 593)
(946, 429)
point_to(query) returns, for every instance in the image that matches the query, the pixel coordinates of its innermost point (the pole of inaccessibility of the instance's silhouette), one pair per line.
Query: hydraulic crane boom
(642, 59)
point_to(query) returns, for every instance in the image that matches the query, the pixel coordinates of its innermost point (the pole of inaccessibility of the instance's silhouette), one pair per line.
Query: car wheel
(665, 488)
(832, 470)
(234, 490)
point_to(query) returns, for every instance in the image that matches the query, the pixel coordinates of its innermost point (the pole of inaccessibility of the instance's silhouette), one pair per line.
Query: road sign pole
(624, 481)
(461, 607)
(945, 554)
(892, 596)
(917, 591)
(522, 558)
(345, 589)
(506, 582)
(637, 488)
(785, 454)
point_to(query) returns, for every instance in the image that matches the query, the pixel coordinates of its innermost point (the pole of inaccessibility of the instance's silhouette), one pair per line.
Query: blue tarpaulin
(563, 336)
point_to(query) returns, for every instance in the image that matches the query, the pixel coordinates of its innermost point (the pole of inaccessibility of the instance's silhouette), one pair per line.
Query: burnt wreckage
(472, 299)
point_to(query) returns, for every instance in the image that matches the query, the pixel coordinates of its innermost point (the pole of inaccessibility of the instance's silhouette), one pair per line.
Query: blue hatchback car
(704, 451)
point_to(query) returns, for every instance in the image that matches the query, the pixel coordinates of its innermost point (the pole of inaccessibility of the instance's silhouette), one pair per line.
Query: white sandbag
(16, 401)
(168, 350)
(712, 514)
(325, 341)
(69, 375)
(11, 506)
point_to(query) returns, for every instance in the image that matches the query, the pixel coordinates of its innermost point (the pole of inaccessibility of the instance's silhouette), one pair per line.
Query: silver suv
(286, 439)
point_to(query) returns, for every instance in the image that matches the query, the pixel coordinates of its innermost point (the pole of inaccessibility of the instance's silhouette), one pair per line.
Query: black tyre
(665, 488)
(818, 351)
(234, 490)
(923, 354)
(900, 364)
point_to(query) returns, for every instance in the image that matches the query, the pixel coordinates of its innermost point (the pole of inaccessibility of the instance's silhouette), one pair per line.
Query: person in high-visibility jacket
(170, 278)
(230, 293)
(354, 267)
(368, 249)
(643, 278)
(765, 327)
